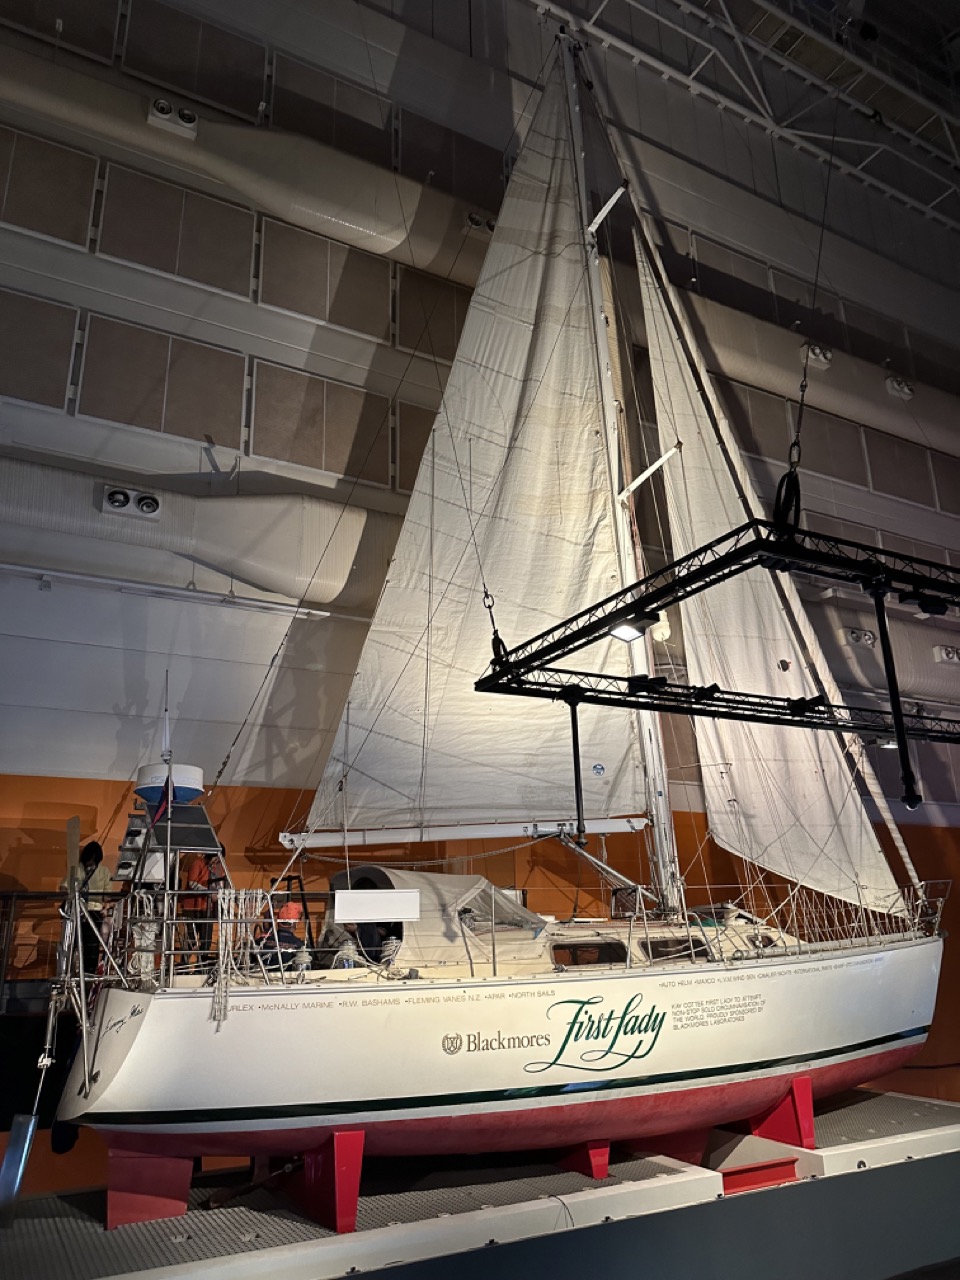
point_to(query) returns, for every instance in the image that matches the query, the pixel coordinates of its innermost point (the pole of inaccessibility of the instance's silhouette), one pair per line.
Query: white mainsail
(513, 491)
(778, 796)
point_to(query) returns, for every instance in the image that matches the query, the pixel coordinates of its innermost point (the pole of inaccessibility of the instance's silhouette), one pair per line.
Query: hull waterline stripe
(220, 1115)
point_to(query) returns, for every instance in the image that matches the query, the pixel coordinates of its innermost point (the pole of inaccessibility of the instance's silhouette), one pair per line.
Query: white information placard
(383, 906)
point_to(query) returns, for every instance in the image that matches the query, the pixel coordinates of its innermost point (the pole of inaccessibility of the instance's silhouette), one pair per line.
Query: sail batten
(513, 497)
(781, 797)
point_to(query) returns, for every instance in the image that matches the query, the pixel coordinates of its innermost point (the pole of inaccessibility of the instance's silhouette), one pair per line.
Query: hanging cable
(786, 506)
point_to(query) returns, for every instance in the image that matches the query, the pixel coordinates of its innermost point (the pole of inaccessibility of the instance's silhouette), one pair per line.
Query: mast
(665, 862)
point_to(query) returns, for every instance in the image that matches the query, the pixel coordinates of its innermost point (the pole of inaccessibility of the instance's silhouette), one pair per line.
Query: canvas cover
(457, 915)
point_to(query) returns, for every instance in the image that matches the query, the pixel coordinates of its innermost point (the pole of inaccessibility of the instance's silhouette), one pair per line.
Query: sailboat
(494, 1027)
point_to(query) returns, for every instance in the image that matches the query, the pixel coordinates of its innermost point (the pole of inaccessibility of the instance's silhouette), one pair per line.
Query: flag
(166, 800)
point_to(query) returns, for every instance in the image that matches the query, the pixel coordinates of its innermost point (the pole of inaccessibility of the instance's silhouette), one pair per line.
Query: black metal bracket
(528, 670)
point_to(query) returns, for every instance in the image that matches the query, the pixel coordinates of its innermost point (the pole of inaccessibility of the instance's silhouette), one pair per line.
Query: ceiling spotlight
(630, 629)
(148, 504)
(118, 499)
(186, 116)
(162, 107)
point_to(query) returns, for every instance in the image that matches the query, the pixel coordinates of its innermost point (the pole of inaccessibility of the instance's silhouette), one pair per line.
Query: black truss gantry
(529, 670)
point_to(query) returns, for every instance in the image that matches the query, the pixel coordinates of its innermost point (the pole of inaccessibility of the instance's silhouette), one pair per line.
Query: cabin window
(573, 954)
(675, 949)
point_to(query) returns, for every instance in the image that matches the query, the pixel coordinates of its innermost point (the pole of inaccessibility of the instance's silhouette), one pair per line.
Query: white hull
(492, 1063)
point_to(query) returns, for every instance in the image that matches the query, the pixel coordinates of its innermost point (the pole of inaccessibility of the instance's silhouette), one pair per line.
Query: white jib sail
(778, 796)
(514, 479)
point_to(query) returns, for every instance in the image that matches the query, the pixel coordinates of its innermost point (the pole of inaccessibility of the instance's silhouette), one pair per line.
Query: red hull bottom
(612, 1120)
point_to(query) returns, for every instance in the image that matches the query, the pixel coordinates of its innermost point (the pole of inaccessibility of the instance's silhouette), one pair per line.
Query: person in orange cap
(287, 939)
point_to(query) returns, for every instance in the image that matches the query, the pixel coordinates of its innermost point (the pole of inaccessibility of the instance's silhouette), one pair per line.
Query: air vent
(899, 387)
(821, 357)
(862, 637)
(164, 113)
(117, 500)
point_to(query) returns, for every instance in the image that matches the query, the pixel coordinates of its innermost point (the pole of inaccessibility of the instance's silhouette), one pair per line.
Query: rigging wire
(786, 506)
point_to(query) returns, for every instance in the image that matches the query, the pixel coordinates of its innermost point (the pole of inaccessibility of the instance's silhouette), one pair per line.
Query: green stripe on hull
(224, 1115)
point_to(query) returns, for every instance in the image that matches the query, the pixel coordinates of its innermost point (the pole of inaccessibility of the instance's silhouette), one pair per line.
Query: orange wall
(34, 813)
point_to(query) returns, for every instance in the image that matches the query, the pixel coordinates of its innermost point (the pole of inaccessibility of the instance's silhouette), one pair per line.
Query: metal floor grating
(859, 1116)
(62, 1237)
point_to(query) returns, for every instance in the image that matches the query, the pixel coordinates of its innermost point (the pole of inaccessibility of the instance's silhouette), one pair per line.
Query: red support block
(762, 1173)
(592, 1159)
(791, 1119)
(141, 1188)
(328, 1188)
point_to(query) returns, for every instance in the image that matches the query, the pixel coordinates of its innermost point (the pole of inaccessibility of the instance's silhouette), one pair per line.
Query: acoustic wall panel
(231, 70)
(216, 243)
(356, 434)
(358, 291)
(204, 393)
(36, 349)
(431, 314)
(759, 419)
(318, 105)
(413, 430)
(88, 25)
(49, 189)
(124, 373)
(141, 219)
(307, 420)
(173, 48)
(162, 44)
(170, 229)
(293, 269)
(899, 468)
(832, 446)
(947, 473)
(288, 410)
(437, 156)
(733, 279)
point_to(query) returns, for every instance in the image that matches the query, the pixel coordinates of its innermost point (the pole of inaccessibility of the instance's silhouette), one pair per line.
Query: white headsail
(779, 796)
(513, 492)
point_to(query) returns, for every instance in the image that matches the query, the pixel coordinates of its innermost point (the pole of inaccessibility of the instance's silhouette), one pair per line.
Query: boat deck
(414, 1211)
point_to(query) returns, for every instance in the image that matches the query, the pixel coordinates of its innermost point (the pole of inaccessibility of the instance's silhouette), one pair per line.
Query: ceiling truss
(796, 83)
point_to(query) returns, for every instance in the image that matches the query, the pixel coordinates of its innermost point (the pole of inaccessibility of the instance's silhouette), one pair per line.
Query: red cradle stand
(791, 1119)
(327, 1189)
(592, 1159)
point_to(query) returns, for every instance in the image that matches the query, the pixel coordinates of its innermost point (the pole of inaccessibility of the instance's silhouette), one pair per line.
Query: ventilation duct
(764, 355)
(297, 547)
(291, 177)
